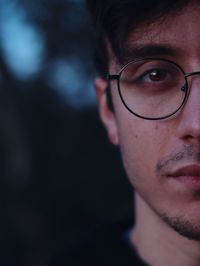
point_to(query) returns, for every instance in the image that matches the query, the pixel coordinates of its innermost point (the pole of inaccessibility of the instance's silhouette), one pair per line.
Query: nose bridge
(193, 81)
(189, 123)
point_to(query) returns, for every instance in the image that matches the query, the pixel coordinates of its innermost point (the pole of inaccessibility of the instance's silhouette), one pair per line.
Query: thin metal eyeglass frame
(185, 86)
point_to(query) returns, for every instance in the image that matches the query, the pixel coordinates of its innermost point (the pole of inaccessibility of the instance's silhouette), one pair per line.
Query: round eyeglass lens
(152, 88)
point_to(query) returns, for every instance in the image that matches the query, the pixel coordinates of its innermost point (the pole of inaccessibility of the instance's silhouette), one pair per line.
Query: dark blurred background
(59, 175)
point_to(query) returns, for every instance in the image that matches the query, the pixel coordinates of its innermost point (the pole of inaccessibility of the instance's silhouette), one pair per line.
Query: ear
(107, 116)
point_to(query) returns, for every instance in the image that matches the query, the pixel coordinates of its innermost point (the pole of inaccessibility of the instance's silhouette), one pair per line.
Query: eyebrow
(147, 50)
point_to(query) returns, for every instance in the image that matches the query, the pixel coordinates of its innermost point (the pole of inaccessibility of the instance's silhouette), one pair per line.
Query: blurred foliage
(59, 174)
(48, 42)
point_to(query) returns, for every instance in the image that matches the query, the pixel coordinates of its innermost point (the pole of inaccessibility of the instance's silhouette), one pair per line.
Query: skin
(153, 150)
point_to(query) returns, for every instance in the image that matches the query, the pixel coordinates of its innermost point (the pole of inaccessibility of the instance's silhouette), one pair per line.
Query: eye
(155, 75)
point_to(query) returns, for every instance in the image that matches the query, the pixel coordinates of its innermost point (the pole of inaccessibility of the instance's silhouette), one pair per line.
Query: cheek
(142, 144)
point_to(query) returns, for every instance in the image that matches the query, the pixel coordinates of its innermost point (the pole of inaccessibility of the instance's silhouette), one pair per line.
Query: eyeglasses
(153, 88)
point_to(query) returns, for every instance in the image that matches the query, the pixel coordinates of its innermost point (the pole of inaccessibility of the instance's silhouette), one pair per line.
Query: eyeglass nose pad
(184, 88)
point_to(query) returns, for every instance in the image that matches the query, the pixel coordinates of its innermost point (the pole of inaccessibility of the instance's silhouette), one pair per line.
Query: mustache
(188, 152)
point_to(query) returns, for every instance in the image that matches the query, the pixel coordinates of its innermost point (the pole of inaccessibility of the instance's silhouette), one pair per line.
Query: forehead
(175, 34)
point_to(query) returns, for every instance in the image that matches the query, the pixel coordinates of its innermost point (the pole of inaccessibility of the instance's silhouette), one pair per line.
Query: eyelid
(141, 65)
(144, 76)
(145, 72)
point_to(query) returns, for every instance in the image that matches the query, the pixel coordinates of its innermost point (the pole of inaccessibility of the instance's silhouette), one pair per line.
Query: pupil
(157, 75)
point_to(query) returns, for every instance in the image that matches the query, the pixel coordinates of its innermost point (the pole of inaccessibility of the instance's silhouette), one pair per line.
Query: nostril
(188, 137)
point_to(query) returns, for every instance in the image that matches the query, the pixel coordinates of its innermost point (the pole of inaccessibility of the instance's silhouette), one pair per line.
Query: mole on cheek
(156, 127)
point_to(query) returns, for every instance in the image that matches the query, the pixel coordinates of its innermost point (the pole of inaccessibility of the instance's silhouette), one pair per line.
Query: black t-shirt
(106, 246)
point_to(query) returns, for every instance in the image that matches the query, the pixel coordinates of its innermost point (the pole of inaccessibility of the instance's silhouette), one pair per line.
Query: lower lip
(191, 181)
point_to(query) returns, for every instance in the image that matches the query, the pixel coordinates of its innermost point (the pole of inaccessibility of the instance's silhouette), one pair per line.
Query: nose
(188, 128)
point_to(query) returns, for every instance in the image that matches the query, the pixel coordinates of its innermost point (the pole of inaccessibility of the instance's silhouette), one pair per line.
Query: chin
(185, 226)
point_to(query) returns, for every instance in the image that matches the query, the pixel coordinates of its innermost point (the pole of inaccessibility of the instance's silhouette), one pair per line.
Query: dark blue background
(59, 175)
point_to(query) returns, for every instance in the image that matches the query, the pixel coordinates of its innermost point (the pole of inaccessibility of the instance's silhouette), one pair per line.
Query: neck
(157, 243)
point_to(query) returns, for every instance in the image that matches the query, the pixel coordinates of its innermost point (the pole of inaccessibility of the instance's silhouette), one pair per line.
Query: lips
(189, 176)
(190, 170)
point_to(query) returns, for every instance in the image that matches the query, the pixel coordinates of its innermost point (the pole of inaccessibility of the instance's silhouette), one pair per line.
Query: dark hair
(114, 20)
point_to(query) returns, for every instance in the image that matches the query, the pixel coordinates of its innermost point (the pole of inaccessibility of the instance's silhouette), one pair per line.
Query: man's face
(162, 158)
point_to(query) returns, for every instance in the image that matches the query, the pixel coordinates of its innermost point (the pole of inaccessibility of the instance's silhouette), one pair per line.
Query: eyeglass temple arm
(112, 77)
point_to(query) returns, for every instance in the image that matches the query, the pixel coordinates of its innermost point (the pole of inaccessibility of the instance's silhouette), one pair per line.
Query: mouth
(188, 175)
